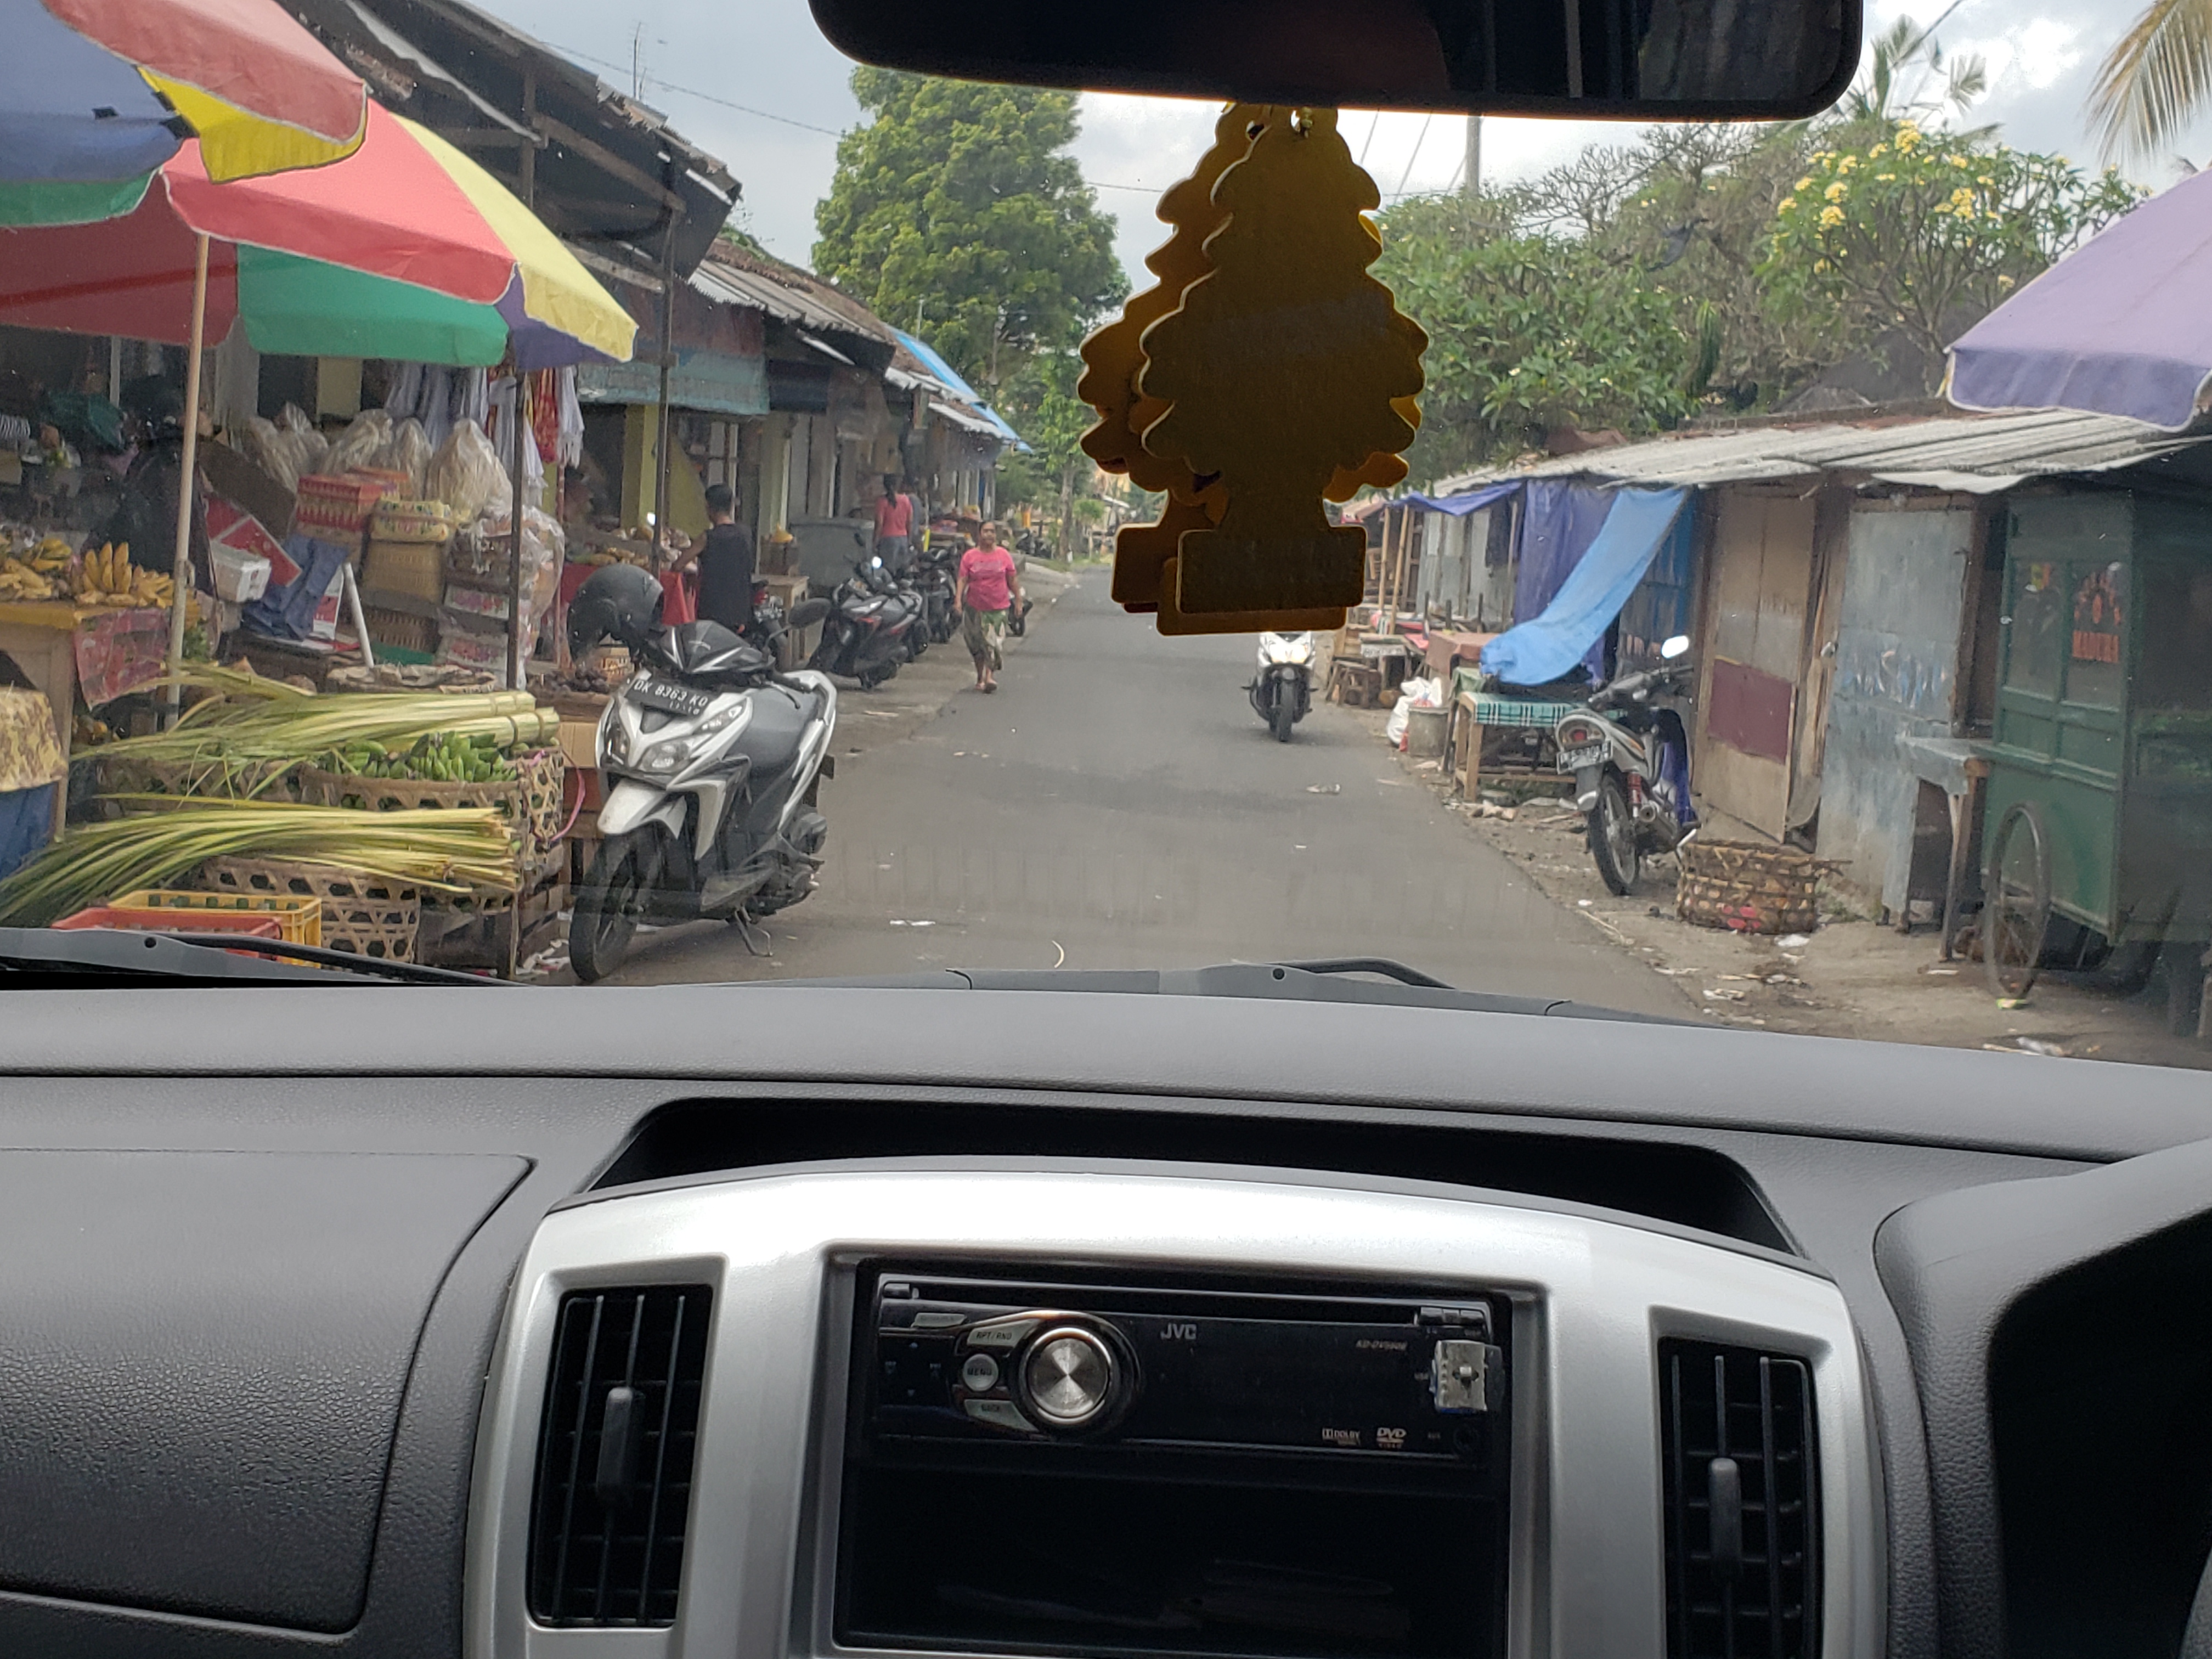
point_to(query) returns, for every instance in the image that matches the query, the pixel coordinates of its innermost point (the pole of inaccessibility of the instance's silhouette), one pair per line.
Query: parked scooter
(865, 637)
(713, 762)
(1282, 690)
(934, 574)
(1630, 757)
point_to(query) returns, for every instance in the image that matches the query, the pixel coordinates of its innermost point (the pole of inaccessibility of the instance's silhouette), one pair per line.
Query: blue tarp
(1558, 522)
(1459, 506)
(960, 388)
(1574, 622)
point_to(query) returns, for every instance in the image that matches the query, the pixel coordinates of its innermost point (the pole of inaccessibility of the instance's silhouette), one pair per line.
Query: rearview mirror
(1656, 60)
(1674, 647)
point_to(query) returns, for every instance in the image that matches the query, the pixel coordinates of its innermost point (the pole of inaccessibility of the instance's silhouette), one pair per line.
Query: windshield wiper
(37, 958)
(1326, 980)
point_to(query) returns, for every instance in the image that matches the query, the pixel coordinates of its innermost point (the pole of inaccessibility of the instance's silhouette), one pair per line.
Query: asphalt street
(1117, 805)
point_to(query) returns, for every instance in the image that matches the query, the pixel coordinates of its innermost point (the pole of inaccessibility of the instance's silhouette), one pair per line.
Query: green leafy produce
(441, 758)
(252, 730)
(453, 851)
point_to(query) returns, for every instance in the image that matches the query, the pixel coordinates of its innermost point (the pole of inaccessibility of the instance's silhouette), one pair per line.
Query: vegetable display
(454, 850)
(252, 730)
(444, 758)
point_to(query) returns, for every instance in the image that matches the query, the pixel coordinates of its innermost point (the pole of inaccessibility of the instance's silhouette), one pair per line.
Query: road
(1117, 805)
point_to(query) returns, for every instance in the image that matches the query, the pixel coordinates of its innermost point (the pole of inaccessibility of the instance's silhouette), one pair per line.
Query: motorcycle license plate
(1573, 760)
(669, 698)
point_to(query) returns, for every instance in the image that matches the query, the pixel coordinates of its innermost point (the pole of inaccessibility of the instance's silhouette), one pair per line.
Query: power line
(770, 115)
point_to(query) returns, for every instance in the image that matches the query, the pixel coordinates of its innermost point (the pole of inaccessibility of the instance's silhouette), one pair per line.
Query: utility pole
(1473, 172)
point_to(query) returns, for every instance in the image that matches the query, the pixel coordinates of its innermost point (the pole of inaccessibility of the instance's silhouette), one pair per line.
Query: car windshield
(625, 495)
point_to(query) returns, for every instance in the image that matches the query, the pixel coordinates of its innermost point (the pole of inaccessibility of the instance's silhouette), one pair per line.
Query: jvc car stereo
(1050, 1466)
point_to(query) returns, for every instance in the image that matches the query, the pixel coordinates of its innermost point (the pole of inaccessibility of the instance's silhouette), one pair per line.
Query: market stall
(423, 826)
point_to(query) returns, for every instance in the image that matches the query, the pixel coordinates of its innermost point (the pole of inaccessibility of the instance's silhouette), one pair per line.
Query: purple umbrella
(2119, 327)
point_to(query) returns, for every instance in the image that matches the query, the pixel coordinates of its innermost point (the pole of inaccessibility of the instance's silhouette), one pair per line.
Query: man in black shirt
(724, 557)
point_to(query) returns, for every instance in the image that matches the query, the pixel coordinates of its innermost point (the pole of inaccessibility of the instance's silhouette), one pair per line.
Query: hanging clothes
(545, 413)
(569, 450)
(499, 429)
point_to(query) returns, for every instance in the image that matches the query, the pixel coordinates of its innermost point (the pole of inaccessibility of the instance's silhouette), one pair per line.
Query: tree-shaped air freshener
(1113, 355)
(1281, 369)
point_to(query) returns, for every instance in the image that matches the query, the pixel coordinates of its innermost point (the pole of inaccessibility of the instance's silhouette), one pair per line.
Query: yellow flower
(1879, 149)
(1962, 198)
(1983, 179)
(1837, 191)
(1806, 183)
(1955, 160)
(1820, 264)
(1885, 177)
(1831, 217)
(1847, 164)
(2004, 281)
(1787, 203)
(1907, 135)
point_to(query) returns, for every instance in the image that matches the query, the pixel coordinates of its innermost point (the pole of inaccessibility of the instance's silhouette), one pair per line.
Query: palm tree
(1878, 96)
(2157, 80)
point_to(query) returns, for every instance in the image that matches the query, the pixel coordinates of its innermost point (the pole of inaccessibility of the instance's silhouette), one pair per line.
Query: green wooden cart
(2100, 802)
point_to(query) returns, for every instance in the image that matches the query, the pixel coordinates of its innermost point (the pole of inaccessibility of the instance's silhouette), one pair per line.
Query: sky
(754, 83)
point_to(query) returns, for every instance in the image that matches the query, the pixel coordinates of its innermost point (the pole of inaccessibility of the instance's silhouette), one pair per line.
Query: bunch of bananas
(108, 577)
(39, 572)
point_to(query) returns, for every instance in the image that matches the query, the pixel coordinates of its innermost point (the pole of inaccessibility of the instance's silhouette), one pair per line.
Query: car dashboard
(869, 1322)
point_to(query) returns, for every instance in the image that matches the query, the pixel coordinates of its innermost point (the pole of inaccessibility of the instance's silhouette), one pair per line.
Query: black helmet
(619, 602)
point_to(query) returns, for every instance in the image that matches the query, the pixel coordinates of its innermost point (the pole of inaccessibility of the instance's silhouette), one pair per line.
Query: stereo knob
(1069, 1378)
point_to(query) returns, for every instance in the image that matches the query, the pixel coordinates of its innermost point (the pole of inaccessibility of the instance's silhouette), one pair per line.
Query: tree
(1042, 405)
(956, 212)
(1895, 86)
(1916, 231)
(2157, 80)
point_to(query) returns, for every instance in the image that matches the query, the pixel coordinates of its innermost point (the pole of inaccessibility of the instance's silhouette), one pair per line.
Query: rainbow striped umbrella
(96, 94)
(404, 249)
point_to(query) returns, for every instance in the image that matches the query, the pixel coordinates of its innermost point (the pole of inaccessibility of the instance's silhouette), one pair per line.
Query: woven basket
(1748, 888)
(531, 801)
(361, 913)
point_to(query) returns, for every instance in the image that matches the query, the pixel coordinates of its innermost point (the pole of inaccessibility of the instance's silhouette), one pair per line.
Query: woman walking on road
(989, 585)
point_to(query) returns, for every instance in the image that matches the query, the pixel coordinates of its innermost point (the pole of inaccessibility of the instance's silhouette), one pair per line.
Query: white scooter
(1282, 690)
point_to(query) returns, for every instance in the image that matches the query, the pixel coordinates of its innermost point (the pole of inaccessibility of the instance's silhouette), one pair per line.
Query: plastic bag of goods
(360, 444)
(262, 443)
(466, 474)
(313, 448)
(1412, 694)
(408, 451)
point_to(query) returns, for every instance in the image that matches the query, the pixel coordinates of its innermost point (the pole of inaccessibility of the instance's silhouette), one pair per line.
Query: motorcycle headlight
(614, 738)
(671, 756)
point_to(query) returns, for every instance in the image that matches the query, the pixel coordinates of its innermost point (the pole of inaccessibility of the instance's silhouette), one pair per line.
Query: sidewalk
(1850, 978)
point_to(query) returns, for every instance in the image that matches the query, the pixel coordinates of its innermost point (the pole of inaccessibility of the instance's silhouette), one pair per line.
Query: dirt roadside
(1850, 978)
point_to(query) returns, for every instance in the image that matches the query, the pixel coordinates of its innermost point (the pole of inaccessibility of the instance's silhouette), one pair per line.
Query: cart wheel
(2017, 914)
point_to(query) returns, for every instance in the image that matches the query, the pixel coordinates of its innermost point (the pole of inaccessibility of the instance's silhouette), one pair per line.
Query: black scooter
(865, 636)
(934, 575)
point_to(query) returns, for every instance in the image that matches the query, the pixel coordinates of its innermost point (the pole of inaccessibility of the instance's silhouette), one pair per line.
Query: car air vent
(613, 1495)
(1743, 1533)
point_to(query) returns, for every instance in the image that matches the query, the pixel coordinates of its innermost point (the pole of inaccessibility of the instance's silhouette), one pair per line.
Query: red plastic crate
(172, 921)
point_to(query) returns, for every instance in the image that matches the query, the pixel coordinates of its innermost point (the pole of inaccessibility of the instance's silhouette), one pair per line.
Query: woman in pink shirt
(989, 585)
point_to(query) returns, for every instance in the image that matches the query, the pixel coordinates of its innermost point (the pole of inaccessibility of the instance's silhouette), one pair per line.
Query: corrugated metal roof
(733, 285)
(1976, 453)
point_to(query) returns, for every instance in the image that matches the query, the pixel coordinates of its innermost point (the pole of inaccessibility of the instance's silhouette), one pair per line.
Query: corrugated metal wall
(1897, 656)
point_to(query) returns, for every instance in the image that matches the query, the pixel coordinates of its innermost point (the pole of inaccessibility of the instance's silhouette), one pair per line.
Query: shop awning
(968, 419)
(1539, 651)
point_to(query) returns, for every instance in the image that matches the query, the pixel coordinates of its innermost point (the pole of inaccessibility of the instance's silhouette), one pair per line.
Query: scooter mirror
(1675, 646)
